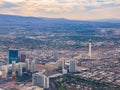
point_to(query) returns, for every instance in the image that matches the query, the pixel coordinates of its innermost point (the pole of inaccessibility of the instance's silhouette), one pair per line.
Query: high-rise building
(46, 81)
(72, 66)
(33, 66)
(63, 64)
(56, 55)
(41, 80)
(13, 56)
(36, 80)
(27, 61)
(64, 71)
(13, 66)
(22, 57)
(90, 49)
(20, 70)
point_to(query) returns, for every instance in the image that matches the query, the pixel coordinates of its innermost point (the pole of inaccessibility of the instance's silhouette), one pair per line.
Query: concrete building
(72, 66)
(27, 62)
(46, 81)
(33, 66)
(20, 70)
(13, 66)
(3, 74)
(90, 49)
(31, 88)
(41, 80)
(63, 64)
(56, 55)
(22, 57)
(10, 67)
(64, 71)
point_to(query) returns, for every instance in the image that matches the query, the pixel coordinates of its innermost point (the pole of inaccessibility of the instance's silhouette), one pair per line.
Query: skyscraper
(27, 61)
(64, 71)
(20, 70)
(56, 55)
(63, 64)
(13, 66)
(46, 81)
(13, 56)
(90, 49)
(72, 66)
(33, 66)
(22, 57)
(41, 80)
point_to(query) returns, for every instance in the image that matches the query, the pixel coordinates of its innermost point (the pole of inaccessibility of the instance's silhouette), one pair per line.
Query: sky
(69, 9)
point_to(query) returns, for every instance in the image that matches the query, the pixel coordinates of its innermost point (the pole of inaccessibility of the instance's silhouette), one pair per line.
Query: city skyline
(59, 45)
(69, 9)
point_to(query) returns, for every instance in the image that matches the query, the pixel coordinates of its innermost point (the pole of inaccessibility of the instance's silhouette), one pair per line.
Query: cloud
(14, 1)
(117, 1)
(7, 5)
(72, 9)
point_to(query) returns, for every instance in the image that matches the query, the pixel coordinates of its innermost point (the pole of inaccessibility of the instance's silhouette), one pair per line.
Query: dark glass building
(22, 57)
(13, 56)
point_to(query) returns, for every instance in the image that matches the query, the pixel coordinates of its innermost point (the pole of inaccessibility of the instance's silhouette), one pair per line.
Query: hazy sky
(70, 9)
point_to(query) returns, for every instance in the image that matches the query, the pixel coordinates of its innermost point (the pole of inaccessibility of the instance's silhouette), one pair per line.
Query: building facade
(41, 80)
(72, 66)
(13, 56)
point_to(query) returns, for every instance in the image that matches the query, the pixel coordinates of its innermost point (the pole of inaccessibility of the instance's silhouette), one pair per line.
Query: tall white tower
(13, 66)
(20, 69)
(90, 49)
(46, 81)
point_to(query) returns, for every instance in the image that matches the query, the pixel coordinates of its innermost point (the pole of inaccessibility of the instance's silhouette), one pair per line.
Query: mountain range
(43, 24)
(12, 18)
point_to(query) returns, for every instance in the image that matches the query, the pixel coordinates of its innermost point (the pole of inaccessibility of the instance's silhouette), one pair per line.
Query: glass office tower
(13, 56)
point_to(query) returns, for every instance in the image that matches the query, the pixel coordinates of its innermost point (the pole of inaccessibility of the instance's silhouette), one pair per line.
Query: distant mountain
(112, 20)
(11, 22)
(14, 19)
